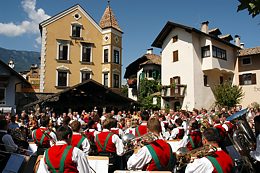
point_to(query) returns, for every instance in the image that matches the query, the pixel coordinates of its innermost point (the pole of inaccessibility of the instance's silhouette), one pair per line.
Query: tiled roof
(152, 59)
(215, 31)
(226, 37)
(249, 51)
(109, 20)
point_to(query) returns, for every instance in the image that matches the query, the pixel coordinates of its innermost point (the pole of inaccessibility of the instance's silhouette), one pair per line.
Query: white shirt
(201, 165)
(139, 160)
(85, 144)
(7, 139)
(117, 141)
(78, 157)
(256, 154)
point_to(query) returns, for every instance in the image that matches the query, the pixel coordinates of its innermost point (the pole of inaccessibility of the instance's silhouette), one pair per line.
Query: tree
(124, 90)
(148, 90)
(253, 6)
(228, 95)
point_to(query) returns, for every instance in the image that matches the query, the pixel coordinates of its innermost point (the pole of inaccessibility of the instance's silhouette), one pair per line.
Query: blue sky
(140, 20)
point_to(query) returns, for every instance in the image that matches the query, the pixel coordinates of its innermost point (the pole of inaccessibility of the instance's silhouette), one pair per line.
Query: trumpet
(132, 143)
(184, 156)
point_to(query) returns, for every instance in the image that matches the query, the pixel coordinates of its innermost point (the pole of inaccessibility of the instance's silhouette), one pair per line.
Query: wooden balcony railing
(177, 90)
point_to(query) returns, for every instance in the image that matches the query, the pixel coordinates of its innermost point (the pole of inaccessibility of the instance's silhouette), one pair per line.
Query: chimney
(237, 40)
(242, 45)
(11, 63)
(205, 27)
(149, 51)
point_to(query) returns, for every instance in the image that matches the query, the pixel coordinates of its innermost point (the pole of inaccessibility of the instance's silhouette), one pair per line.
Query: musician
(194, 138)
(63, 157)
(109, 144)
(77, 139)
(43, 137)
(116, 129)
(178, 132)
(157, 155)
(142, 128)
(218, 161)
(6, 140)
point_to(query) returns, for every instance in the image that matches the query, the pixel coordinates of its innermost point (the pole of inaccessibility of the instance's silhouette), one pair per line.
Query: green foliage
(147, 91)
(124, 90)
(228, 95)
(253, 6)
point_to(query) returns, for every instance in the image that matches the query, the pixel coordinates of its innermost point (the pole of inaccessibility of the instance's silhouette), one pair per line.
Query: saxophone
(184, 156)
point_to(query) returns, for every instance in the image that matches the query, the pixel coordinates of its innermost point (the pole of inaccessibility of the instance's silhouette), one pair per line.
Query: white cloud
(35, 16)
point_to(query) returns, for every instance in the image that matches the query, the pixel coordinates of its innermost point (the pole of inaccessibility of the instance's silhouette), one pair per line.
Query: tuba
(243, 140)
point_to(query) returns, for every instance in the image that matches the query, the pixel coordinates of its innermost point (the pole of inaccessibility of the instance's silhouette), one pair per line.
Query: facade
(75, 48)
(33, 77)
(248, 74)
(11, 83)
(193, 62)
(147, 66)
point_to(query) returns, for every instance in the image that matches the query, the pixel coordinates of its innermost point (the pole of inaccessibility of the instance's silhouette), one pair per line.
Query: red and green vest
(104, 142)
(40, 138)
(77, 140)
(195, 140)
(140, 130)
(58, 158)
(221, 162)
(162, 156)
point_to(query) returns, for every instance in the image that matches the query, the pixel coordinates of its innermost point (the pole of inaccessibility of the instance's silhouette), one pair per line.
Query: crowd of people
(67, 139)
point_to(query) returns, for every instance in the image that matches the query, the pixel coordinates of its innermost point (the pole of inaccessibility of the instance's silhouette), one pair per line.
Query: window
(205, 80)
(219, 53)
(175, 56)
(2, 96)
(116, 81)
(76, 30)
(105, 55)
(105, 79)
(62, 78)
(205, 51)
(86, 53)
(247, 79)
(175, 39)
(246, 61)
(116, 56)
(85, 75)
(63, 52)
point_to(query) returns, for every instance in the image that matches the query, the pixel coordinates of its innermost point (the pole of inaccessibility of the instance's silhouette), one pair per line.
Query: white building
(193, 62)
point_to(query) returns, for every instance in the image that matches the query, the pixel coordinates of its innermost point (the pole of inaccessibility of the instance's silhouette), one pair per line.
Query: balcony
(177, 91)
(211, 63)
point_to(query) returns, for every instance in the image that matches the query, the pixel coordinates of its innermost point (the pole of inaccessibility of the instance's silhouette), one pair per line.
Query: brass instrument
(184, 156)
(243, 140)
(131, 142)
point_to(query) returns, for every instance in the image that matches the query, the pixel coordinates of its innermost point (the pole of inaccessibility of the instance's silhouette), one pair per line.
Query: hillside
(22, 59)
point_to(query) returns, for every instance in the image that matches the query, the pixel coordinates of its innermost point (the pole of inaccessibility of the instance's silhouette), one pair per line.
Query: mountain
(22, 59)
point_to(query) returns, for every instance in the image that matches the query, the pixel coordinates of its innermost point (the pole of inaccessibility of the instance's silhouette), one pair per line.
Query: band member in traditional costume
(63, 157)
(194, 138)
(157, 155)
(109, 144)
(43, 136)
(178, 131)
(116, 129)
(142, 128)
(218, 161)
(78, 140)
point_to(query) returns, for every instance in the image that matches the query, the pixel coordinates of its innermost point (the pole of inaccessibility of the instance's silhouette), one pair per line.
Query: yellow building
(76, 48)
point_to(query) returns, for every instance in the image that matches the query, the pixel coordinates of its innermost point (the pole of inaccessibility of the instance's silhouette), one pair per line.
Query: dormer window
(76, 30)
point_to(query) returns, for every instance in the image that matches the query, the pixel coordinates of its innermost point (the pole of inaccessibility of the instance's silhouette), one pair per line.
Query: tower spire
(108, 19)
